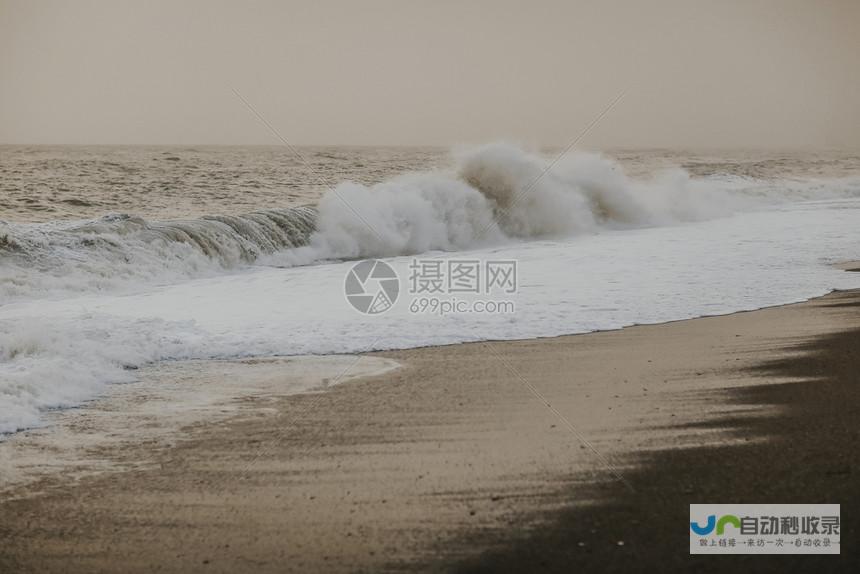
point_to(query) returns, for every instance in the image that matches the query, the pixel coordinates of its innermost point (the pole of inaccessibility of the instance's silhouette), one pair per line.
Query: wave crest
(498, 192)
(118, 250)
(493, 194)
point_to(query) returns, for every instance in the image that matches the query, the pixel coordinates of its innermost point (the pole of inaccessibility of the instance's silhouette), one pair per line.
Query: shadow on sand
(811, 455)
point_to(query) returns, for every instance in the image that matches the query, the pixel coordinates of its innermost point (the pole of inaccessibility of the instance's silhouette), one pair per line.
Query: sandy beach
(474, 287)
(576, 453)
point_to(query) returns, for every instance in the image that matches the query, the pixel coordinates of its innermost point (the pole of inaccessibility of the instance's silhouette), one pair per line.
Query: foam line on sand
(154, 412)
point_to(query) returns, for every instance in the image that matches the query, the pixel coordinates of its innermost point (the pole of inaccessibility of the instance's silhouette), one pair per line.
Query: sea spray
(492, 195)
(597, 250)
(500, 193)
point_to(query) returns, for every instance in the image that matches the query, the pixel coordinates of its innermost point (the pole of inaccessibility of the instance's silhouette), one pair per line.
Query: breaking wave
(58, 353)
(494, 194)
(122, 250)
(499, 193)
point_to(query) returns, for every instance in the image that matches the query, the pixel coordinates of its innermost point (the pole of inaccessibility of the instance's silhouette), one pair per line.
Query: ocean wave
(64, 336)
(499, 193)
(494, 194)
(118, 251)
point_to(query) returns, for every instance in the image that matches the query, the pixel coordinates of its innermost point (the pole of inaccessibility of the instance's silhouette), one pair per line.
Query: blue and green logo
(713, 523)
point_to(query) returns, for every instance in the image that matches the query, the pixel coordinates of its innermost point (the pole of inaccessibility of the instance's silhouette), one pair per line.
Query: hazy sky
(752, 73)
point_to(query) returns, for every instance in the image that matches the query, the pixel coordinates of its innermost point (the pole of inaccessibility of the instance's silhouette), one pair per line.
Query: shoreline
(801, 452)
(82, 441)
(449, 462)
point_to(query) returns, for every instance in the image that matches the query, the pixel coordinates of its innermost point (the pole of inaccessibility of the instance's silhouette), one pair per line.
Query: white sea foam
(493, 195)
(86, 303)
(166, 398)
(498, 193)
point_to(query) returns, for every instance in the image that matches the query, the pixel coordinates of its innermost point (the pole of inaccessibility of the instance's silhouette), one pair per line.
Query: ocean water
(112, 257)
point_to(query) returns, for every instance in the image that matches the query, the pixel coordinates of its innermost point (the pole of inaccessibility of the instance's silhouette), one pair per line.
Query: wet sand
(578, 453)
